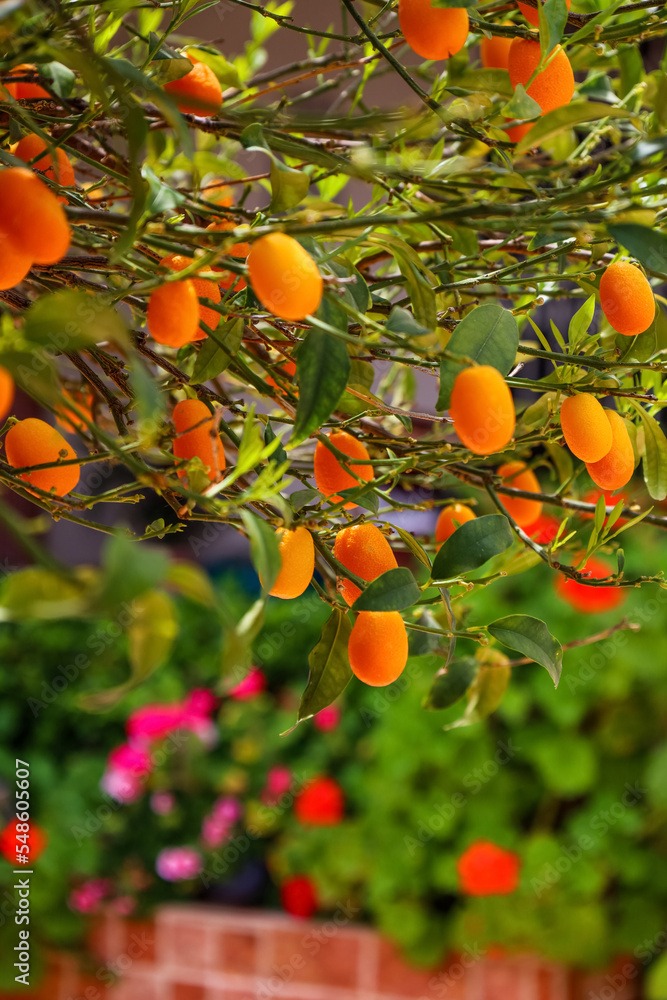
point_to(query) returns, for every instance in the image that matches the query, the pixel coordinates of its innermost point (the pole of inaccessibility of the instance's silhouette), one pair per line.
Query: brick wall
(193, 952)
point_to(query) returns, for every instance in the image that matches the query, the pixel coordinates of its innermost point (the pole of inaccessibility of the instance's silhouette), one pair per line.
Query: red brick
(504, 980)
(85, 987)
(134, 986)
(183, 944)
(188, 991)
(138, 940)
(320, 953)
(236, 953)
(396, 976)
(618, 978)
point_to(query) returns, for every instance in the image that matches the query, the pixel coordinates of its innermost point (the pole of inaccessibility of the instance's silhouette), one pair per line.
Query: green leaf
(471, 545)
(61, 78)
(402, 321)
(553, 18)
(129, 569)
(654, 464)
(263, 549)
(531, 637)
(215, 355)
(414, 546)
(567, 117)
(279, 455)
(148, 399)
(648, 245)
(330, 671)
(490, 336)
(521, 105)
(225, 71)
(323, 368)
(581, 322)
(394, 590)
(362, 497)
(288, 187)
(301, 498)
(161, 197)
(192, 582)
(237, 650)
(453, 3)
(451, 683)
(70, 320)
(151, 634)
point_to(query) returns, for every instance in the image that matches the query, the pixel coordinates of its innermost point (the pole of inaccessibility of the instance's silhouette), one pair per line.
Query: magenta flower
(162, 803)
(250, 686)
(135, 760)
(123, 786)
(227, 810)
(153, 722)
(177, 864)
(278, 783)
(327, 719)
(87, 897)
(214, 832)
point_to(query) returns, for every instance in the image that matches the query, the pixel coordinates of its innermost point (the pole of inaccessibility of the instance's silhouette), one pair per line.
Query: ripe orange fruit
(446, 526)
(6, 392)
(585, 427)
(238, 250)
(31, 216)
(586, 599)
(495, 51)
(517, 132)
(432, 32)
(68, 418)
(482, 409)
(616, 468)
(531, 14)
(553, 86)
(198, 92)
(197, 437)
(218, 192)
(204, 289)
(365, 551)
(14, 265)
(285, 278)
(331, 475)
(524, 512)
(61, 171)
(378, 647)
(25, 91)
(288, 369)
(173, 313)
(34, 442)
(627, 298)
(297, 563)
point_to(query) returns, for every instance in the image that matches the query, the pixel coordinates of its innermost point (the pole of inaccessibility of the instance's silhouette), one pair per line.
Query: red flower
(488, 870)
(321, 803)
(586, 599)
(544, 530)
(11, 848)
(298, 896)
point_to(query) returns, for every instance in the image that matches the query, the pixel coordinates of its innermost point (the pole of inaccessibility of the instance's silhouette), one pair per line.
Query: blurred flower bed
(543, 828)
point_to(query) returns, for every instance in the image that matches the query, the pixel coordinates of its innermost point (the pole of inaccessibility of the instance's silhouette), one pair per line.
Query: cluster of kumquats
(186, 299)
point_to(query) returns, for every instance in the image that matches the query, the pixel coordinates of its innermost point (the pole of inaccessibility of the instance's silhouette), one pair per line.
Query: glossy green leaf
(71, 319)
(531, 637)
(216, 354)
(451, 683)
(323, 368)
(489, 335)
(552, 19)
(329, 664)
(567, 117)
(654, 463)
(471, 545)
(521, 105)
(648, 245)
(129, 569)
(394, 590)
(413, 546)
(402, 321)
(263, 548)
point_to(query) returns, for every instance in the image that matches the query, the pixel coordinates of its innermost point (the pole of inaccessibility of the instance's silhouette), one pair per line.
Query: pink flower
(177, 864)
(87, 897)
(162, 803)
(214, 831)
(135, 760)
(124, 906)
(250, 686)
(227, 810)
(200, 702)
(278, 782)
(153, 722)
(327, 719)
(123, 786)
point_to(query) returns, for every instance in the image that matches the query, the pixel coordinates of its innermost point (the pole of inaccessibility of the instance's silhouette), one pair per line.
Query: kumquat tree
(418, 268)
